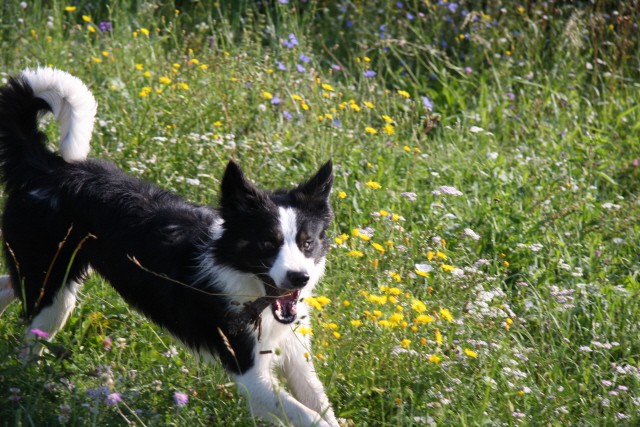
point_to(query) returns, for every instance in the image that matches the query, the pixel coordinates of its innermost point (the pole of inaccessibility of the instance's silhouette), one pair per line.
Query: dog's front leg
(303, 380)
(268, 401)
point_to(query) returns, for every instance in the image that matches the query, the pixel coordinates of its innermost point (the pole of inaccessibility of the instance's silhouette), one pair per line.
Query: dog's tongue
(285, 308)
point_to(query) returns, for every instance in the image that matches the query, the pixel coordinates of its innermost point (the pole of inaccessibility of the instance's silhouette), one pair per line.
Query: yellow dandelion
(446, 315)
(86, 18)
(405, 343)
(313, 302)
(147, 74)
(217, 123)
(296, 97)
(439, 338)
(327, 87)
(404, 93)
(323, 300)
(91, 28)
(447, 267)
(70, 9)
(423, 318)
(370, 130)
(389, 129)
(373, 185)
(96, 60)
(144, 31)
(304, 330)
(356, 323)
(435, 359)
(346, 303)
(165, 80)
(342, 195)
(378, 247)
(267, 95)
(368, 104)
(183, 86)
(355, 254)
(387, 119)
(337, 334)
(470, 353)
(144, 92)
(418, 306)
(139, 67)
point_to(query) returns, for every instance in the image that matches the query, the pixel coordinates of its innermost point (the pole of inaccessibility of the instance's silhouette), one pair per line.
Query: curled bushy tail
(22, 146)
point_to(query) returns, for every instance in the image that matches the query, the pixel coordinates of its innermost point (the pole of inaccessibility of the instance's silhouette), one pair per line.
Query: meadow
(485, 263)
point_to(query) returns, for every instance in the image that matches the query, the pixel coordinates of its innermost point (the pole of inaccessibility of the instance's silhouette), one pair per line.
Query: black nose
(297, 279)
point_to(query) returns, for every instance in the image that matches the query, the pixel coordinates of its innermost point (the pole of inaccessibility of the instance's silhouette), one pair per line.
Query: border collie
(225, 282)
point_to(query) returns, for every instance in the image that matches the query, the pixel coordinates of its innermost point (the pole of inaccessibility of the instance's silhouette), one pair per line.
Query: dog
(226, 282)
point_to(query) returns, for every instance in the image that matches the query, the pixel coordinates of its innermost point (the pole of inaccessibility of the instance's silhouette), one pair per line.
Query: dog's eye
(267, 245)
(306, 245)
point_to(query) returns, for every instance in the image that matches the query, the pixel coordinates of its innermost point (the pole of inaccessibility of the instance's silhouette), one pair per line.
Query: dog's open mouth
(285, 308)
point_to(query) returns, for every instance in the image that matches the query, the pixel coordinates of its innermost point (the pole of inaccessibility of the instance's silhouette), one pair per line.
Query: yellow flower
(356, 323)
(438, 337)
(144, 31)
(305, 106)
(418, 306)
(354, 106)
(217, 123)
(96, 60)
(377, 299)
(368, 104)
(394, 291)
(86, 18)
(267, 95)
(296, 97)
(355, 254)
(389, 129)
(144, 92)
(336, 334)
(378, 247)
(470, 353)
(91, 28)
(370, 130)
(423, 318)
(304, 330)
(327, 87)
(342, 195)
(396, 318)
(404, 93)
(395, 276)
(139, 67)
(405, 343)
(373, 185)
(447, 267)
(346, 303)
(147, 74)
(70, 9)
(387, 119)
(183, 86)
(165, 80)
(446, 315)
(313, 302)
(323, 300)
(434, 359)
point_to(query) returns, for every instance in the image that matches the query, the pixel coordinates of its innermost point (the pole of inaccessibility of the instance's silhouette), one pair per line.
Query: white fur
(290, 258)
(53, 317)
(73, 106)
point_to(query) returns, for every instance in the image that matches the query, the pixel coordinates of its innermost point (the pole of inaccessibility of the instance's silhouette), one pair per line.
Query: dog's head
(278, 236)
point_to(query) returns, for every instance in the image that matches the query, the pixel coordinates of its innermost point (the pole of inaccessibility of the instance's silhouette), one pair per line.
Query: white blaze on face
(290, 257)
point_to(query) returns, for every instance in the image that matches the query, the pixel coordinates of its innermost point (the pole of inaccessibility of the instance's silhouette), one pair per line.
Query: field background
(485, 267)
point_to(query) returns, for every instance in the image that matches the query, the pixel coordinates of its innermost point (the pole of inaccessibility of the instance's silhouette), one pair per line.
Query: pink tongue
(288, 305)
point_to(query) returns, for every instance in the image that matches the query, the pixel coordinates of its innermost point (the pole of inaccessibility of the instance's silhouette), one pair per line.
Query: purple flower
(291, 41)
(105, 26)
(181, 399)
(370, 73)
(453, 7)
(336, 123)
(39, 333)
(399, 4)
(349, 23)
(281, 66)
(304, 58)
(276, 101)
(283, 1)
(300, 68)
(468, 70)
(335, 67)
(410, 16)
(287, 115)
(427, 103)
(113, 399)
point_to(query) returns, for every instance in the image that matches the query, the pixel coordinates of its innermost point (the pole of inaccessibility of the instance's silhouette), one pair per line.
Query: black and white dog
(196, 271)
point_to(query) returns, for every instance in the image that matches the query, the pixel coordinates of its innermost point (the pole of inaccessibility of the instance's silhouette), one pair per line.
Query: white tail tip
(72, 104)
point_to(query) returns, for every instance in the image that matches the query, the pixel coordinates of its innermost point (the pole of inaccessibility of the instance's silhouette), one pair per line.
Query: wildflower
(39, 333)
(144, 92)
(439, 338)
(356, 323)
(291, 41)
(113, 399)
(304, 58)
(337, 334)
(165, 80)
(144, 31)
(470, 353)
(423, 269)
(370, 73)
(389, 129)
(475, 129)
(434, 359)
(418, 306)
(86, 18)
(300, 68)
(410, 195)
(281, 66)
(313, 302)
(266, 95)
(470, 233)
(181, 399)
(276, 101)
(304, 330)
(373, 185)
(446, 315)
(423, 318)
(451, 191)
(427, 103)
(183, 86)
(287, 115)
(106, 343)
(378, 247)
(327, 87)
(370, 130)
(368, 104)
(70, 9)
(105, 26)
(404, 93)
(405, 343)
(342, 195)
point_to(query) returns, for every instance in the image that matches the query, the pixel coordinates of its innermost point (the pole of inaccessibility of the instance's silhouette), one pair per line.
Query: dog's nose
(297, 279)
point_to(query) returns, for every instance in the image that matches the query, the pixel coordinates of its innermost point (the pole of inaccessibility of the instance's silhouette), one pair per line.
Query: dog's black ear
(237, 193)
(318, 187)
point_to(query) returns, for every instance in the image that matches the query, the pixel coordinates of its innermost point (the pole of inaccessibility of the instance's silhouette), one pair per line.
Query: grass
(529, 313)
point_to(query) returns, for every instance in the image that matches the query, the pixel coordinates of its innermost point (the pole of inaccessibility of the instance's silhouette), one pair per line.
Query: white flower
(451, 191)
(475, 129)
(470, 233)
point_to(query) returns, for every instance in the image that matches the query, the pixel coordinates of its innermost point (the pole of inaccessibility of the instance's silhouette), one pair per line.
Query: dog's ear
(237, 193)
(318, 187)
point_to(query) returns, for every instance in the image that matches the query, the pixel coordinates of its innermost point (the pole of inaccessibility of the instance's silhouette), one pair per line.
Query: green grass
(544, 304)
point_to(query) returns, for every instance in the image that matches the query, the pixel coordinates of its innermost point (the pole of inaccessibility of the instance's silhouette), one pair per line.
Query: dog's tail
(22, 146)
